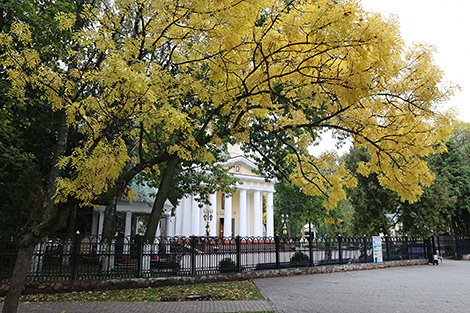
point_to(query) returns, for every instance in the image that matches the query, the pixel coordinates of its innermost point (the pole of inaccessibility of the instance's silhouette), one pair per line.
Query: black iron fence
(78, 257)
(452, 246)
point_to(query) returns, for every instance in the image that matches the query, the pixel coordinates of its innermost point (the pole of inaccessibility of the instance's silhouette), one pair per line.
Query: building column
(213, 222)
(100, 231)
(242, 222)
(269, 215)
(127, 233)
(136, 226)
(257, 214)
(228, 217)
(158, 231)
(248, 214)
(195, 218)
(171, 226)
(94, 224)
(128, 225)
(178, 220)
(100, 224)
(186, 231)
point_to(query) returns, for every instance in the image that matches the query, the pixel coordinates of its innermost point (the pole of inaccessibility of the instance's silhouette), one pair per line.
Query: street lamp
(207, 217)
(284, 222)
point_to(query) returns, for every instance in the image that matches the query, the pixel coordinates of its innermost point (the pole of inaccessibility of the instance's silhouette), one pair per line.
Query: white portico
(239, 214)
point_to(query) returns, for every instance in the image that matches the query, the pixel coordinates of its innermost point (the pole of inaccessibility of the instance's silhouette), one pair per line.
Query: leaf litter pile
(237, 290)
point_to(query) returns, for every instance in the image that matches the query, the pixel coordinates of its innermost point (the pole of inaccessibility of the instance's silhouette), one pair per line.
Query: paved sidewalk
(144, 307)
(426, 288)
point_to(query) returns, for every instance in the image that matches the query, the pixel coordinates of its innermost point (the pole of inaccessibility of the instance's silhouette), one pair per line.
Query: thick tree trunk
(72, 221)
(18, 279)
(26, 248)
(108, 225)
(107, 236)
(160, 199)
(61, 146)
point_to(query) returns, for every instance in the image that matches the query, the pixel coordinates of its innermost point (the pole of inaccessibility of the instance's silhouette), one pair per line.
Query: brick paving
(144, 307)
(425, 288)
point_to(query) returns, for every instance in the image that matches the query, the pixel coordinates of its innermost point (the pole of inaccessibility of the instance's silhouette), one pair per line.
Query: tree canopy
(165, 80)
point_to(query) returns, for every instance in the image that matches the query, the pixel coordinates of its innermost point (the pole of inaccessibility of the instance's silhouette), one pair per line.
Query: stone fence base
(132, 283)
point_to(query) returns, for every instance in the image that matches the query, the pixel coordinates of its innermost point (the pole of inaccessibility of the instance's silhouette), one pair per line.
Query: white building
(240, 214)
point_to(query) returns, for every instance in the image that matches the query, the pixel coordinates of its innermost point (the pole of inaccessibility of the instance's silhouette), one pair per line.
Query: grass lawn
(238, 290)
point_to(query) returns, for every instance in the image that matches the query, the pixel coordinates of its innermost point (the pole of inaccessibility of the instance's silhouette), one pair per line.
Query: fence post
(408, 255)
(429, 250)
(278, 257)
(75, 251)
(426, 248)
(310, 249)
(387, 246)
(140, 252)
(239, 253)
(438, 245)
(340, 251)
(193, 255)
(457, 247)
(364, 240)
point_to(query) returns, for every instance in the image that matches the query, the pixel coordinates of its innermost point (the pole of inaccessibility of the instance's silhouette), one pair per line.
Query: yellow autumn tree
(149, 82)
(338, 67)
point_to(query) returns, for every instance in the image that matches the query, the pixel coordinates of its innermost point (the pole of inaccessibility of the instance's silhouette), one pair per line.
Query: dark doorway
(221, 227)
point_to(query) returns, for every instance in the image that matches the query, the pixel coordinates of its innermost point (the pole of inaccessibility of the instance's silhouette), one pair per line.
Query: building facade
(248, 212)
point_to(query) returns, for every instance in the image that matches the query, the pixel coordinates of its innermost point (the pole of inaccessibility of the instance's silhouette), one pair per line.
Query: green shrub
(174, 262)
(299, 259)
(227, 265)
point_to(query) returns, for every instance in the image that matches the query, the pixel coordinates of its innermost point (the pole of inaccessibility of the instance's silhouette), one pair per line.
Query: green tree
(26, 150)
(339, 221)
(301, 208)
(27, 130)
(370, 200)
(19, 185)
(444, 206)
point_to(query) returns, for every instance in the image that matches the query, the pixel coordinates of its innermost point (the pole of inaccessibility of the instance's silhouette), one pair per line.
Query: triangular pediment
(242, 165)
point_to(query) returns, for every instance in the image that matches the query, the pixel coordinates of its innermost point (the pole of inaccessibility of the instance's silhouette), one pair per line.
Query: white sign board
(377, 247)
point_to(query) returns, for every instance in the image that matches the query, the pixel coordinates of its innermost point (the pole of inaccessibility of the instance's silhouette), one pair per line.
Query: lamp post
(284, 221)
(207, 217)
